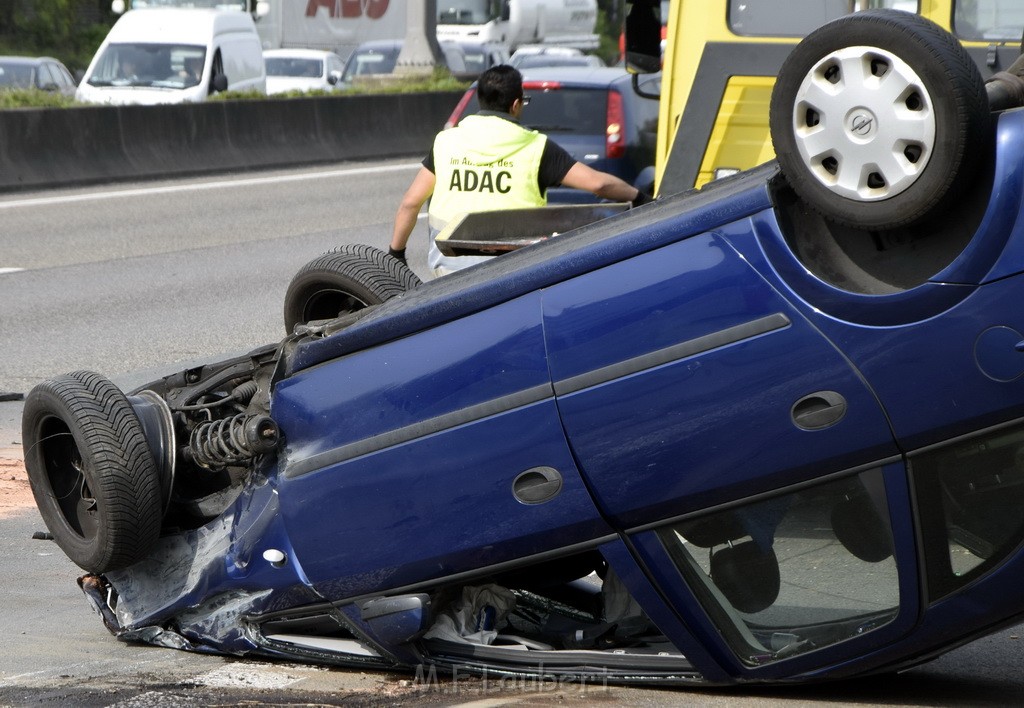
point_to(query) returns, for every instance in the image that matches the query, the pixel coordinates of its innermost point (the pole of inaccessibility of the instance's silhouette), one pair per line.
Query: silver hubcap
(864, 123)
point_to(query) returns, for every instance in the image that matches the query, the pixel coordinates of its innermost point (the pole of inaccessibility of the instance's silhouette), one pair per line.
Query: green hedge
(34, 98)
(441, 80)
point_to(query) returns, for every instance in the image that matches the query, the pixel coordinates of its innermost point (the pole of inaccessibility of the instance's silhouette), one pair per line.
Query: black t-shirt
(555, 163)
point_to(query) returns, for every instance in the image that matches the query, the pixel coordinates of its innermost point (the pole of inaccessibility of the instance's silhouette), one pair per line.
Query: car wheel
(344, 280)
(92, 474)
(878, 118)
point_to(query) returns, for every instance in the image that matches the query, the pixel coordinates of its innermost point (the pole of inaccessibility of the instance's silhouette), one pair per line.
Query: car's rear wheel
(92, 474)
(344, 280)
(878, 118)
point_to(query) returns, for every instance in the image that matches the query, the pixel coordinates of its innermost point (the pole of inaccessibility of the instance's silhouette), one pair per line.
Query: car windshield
(370, 62)
(217, 4)
(565, 110)
(294, 67)
(173, 66)
(467, 12)
(797, 18)
(19, 76)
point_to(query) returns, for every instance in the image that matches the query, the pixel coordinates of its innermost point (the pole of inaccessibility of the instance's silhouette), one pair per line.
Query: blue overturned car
(767, 431)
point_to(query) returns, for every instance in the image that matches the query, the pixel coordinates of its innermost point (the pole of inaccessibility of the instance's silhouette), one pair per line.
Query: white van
(174, 55)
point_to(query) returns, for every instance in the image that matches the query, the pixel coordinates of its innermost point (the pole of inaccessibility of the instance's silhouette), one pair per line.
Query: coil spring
(233, 441)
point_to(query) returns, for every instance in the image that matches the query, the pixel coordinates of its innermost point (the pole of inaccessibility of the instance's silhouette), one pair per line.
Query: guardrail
(42, 148)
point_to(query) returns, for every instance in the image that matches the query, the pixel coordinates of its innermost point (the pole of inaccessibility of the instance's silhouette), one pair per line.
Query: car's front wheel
(344, 280)
(92, 473)
(879, 118)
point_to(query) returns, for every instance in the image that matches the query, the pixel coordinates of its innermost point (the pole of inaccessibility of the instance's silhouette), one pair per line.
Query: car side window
(60, 79)
(44, 79)
(996, 20)
(58, 76)
(796, 18)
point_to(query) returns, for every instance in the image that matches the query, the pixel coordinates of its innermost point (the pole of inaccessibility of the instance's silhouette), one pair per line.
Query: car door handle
(537, 485)
(818, 410)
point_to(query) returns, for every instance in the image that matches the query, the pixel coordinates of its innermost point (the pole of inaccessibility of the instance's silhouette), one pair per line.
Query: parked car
(372, 59)
(465, 59)
(533, 55)
(302, 70)
(769, 431)
(592, 113)
(42, 73)
(468, 58)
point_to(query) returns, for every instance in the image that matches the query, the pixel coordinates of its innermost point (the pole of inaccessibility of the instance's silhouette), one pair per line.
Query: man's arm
(602, 184)
(408, 211)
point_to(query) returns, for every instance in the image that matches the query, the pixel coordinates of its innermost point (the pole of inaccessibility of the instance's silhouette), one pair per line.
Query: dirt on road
(15, 494)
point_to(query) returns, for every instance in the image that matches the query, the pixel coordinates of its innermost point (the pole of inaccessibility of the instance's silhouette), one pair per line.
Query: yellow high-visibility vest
(485, 163)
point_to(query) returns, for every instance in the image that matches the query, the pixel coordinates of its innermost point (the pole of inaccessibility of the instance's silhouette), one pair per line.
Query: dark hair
(499, 87)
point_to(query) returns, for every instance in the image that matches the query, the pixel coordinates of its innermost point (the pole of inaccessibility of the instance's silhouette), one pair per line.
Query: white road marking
(199, 186)
(10, 270)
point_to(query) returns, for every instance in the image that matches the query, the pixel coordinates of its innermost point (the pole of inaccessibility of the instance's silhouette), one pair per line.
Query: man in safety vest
(490, 162)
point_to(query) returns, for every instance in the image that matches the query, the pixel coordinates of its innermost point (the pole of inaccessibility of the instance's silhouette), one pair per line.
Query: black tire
(344, 280)
(91, 471)
(866, 159)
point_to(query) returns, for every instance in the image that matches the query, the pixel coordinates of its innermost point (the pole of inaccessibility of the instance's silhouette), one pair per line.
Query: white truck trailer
(333, 25)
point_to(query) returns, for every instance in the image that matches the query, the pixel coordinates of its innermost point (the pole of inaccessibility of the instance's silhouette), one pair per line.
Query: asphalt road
(124, 279)
(138, 280)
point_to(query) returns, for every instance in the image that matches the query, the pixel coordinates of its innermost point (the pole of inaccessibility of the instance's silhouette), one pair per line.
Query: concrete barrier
(42, 148)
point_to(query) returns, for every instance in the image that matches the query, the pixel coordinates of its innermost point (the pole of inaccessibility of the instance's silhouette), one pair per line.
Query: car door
(684, 381)
(950, 374)
(432, 455)
(752, 470)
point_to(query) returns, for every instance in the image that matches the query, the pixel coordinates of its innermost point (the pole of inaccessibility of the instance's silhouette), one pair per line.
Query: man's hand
(641, 198)
(398, 254)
